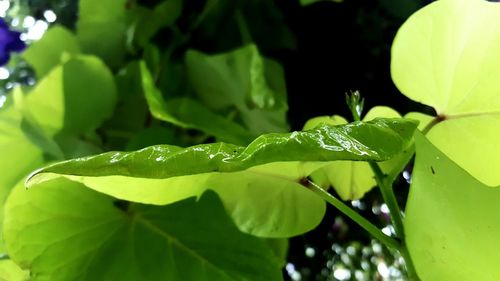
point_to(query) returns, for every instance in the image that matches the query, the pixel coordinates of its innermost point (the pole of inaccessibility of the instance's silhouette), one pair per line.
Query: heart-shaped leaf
(447, 55)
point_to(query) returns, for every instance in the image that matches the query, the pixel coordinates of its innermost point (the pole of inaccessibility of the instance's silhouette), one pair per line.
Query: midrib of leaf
(472, 114)
(433, 122)
(172, 239)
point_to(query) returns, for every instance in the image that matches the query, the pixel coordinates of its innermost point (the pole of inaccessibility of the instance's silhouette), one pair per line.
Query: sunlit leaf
(351, 179)
(451, 221)
(46, 53)
(9, 271)
(424, 119)
(18, 154)
(472, 143)
(259, 184)
(75, 97)
(447, 56)
(63, 231)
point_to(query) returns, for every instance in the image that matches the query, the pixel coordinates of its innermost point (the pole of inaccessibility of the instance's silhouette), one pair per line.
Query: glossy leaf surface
(451, 221)
(375, 140)
(447, 56)
(189, 240)
(351, 179)
(273, 165)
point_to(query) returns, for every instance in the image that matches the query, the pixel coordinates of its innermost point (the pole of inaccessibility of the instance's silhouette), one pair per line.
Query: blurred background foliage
(326, 48)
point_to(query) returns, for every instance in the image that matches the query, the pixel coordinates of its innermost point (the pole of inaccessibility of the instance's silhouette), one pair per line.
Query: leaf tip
(35, 178)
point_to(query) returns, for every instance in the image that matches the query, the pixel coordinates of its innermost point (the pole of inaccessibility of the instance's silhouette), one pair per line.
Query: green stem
(396, 218)
(357, 218)
(410, 268)
(390, 200)
(433, 123)
(246, 37)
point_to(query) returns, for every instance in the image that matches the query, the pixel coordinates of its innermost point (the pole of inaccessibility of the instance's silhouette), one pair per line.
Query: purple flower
(9, 42)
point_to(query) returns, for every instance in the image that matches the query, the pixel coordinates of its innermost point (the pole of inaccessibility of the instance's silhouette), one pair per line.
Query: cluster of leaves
(130, 93)
(187, 208)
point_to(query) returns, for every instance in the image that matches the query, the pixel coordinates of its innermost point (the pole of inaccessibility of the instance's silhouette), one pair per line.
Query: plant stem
(246, 37)
(410, 268)
(390, 200)
(396, 218)
(433, 123)
(357, 218)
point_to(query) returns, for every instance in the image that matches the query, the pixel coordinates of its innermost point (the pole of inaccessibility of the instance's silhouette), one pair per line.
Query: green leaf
(46, 53)
(279, 248)
(168, 11)
(424, 119)
(447, 55)
(259, 184)
(64, 231)
(243, 79)
(131, 112)
(101, 29)
(351, 179)
(189, 113)
(74, 97)
(9, 271)
(148, 22)
(473, 145)
(451, 220)
(19, 154)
